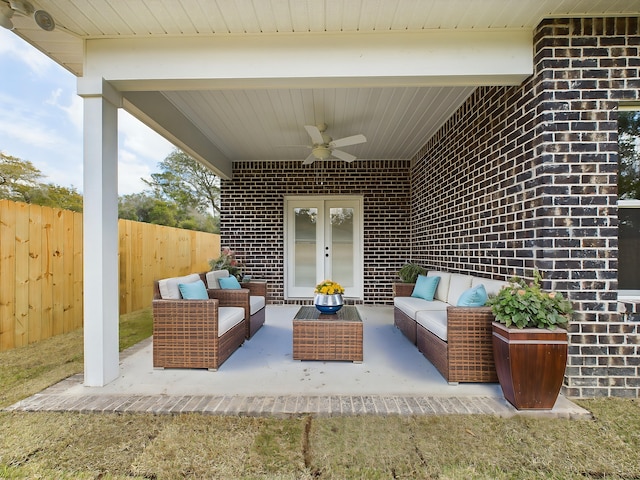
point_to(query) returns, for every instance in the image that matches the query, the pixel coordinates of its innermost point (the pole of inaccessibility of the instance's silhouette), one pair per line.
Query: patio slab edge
(55, 399)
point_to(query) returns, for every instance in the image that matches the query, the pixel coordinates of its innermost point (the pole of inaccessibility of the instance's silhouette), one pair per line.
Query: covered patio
(261, 378)
(491, 141)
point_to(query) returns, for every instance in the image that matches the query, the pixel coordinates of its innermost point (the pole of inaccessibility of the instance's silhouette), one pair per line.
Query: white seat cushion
(213, 277)
(256, 303)
(169, 289)
(434, 321)
(443, 285)
(458, 285)
(229, 317)
(412, 305)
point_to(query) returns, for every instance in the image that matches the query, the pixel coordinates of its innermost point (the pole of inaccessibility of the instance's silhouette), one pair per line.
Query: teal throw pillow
(425, 287)
(193, 291)
(474, 297)
(229, 283)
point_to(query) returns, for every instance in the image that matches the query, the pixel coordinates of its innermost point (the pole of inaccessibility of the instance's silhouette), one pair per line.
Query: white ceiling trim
(80, 20)
(383, 59)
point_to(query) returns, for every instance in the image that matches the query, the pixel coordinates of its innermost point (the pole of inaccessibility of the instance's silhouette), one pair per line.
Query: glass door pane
(305, 243)
(341, 246)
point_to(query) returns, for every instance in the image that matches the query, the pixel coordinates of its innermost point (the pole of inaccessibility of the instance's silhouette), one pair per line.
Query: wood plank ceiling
(268, 124)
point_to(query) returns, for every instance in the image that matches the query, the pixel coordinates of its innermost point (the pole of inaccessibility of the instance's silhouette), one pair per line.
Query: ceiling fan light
(5, 17)
(321, 153)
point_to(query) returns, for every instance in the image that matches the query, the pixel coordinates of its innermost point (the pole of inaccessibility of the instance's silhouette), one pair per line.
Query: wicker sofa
(252, 296)
(456, 340)
(194, 333)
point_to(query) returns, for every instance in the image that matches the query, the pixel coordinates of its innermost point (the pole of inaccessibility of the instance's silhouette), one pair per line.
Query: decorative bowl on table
(328, 304)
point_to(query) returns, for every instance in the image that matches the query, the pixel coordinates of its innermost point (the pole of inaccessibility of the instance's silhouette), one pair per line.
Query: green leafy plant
(410, 271)
(526, 305)
(227, 261)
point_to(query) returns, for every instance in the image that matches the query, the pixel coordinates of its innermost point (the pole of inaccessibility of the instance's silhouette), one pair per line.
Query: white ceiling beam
(154, 110)
(429, 58)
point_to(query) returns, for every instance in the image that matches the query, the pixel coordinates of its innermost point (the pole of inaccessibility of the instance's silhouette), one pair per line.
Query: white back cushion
(443, 285)
(459, 283)
(213, 276)
(169, 289)
(491, 286)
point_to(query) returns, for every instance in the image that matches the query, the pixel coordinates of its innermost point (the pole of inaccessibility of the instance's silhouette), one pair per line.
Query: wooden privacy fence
(149, 252)
(41, 263)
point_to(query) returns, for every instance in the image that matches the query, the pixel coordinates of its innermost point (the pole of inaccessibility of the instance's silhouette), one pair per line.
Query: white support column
(101, 310)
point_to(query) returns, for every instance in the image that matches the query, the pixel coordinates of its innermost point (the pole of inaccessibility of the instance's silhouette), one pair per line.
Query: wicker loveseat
(252, 296)
(456, 340)
(194, 333)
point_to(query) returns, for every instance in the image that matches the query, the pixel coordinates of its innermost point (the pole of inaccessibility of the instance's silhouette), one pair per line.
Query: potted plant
(227, 261)
(529, 345)
(328, 296)
(410, 271)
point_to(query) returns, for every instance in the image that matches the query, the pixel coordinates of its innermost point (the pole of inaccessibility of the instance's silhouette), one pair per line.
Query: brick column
(524, 177)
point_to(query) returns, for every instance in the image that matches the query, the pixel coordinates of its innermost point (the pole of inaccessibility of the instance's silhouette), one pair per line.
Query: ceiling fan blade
(347, 157)
(309, 160)
(314, 133)
(353, 140)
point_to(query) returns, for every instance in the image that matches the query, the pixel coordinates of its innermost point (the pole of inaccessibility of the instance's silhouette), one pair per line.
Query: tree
(20, 182)
(172, 203)
(17, 178)
(187, 182)
(149, 208)
(51, 195)
(629, 154)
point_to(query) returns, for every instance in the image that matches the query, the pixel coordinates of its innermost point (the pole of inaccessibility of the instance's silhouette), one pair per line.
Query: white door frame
(322, 236)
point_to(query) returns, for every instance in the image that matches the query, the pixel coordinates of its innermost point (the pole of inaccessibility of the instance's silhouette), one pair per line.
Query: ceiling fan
(8, 8)
(324, 146)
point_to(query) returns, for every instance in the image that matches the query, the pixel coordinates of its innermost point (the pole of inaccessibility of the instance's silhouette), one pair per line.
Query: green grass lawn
(145, 446)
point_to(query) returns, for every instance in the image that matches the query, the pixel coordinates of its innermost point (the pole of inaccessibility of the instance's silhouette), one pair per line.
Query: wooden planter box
(530, 363)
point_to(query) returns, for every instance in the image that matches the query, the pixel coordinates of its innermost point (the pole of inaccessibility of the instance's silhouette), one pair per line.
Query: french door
(323, 240)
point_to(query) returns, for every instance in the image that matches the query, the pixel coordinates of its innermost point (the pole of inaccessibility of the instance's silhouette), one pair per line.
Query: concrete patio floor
(261, 378)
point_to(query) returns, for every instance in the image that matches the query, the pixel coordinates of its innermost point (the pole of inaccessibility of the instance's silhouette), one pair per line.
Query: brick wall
(526, 177)
(519, 177)
(252, 209)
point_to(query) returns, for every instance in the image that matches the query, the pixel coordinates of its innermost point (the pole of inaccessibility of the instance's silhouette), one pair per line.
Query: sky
(41, 121)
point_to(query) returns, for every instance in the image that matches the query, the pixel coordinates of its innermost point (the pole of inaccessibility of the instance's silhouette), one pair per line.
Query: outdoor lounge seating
(194, 333)
(252, 296)
(457, 340)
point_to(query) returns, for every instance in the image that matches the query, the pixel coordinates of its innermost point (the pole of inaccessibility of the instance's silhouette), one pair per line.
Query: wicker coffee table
(317, 336)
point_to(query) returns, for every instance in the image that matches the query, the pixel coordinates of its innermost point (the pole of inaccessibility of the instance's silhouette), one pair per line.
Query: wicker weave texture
(467, 355)
(327, 337)
(405, 324)
(240, 298)
(256, 322)
(185, 335)
(403, 289)
(435, 350)
(258, 288)
(470, 345)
